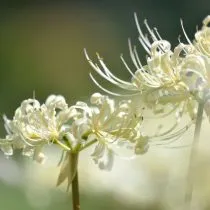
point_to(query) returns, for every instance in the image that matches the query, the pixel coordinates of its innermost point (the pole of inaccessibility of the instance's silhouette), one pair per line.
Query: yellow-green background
(41, 50)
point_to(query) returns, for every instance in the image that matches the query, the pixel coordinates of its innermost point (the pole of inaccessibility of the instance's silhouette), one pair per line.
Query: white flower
(170, 82)
(202, 38)
(202, 49)
(35, 125)
(104, 123)
(176, 77)
(107, 123)
(158, 72)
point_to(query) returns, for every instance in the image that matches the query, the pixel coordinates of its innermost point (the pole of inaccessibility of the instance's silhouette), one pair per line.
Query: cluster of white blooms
(35, 125)
(178, 77)
(104, 123)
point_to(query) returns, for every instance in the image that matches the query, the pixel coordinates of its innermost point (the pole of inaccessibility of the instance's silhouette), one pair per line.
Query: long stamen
(104, 89)
(185, 34)
(142, 38)
(150, 31)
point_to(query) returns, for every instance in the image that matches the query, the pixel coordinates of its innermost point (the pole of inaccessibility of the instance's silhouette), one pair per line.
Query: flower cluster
(105, 122)
(35, 125)
(177, 78)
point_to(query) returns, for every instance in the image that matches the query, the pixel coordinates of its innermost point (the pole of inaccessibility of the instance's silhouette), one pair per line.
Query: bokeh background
(41, 50)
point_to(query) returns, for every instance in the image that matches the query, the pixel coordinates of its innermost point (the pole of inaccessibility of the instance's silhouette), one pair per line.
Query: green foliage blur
(41, 51)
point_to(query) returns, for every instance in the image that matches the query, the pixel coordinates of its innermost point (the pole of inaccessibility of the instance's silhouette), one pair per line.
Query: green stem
(75, 186)
(193, 153)
(88, 144)
(62, 145)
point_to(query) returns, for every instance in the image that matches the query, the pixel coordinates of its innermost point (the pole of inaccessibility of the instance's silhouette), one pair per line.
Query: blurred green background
(41, 50)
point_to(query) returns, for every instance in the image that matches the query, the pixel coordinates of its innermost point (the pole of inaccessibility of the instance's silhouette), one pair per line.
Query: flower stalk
(193, 155)
(75, 186)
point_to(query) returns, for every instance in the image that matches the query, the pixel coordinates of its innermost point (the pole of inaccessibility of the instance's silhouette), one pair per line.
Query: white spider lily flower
(175, 78)
(35, 125)
(169, 77)
(105, 123)
(160, 72)
(114, 123)
(190, 87)
(202, 38)
(154, 47)
(202, 44)
(161, 80)
(119, 124)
